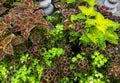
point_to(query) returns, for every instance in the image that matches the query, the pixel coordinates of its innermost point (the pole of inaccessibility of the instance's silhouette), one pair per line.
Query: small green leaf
(91, 2)
(84, 38)
(79, 56)
(112, 37)
(93, 37)
(77, 17)
(74, 59)
(69, 1)
(88, 11)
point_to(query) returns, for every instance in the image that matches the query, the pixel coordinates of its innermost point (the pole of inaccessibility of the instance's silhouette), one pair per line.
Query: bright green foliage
(77, 17)
(66, 80)
(69, 1)
(21, 75)
(57, 34)
(98, 59)
(74, 59)
(88, 11)
(49, 55)
(98, 29)
(24, 58)
(74, 35)
(90, 2)
(96, 77)
(3, 73)
(68, 51)
(26, 73)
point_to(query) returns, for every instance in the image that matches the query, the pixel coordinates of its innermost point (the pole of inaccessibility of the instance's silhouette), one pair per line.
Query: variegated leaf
(2, 53)
(8, 49)
(8, 39)
(25, 33)
(17, 40)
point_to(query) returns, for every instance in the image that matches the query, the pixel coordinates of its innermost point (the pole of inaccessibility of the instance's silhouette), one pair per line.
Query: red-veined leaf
(30, 26)
(15, 29)
(8, 49)
(7, 20)
(39, 13)
(25, 33)
(20, 48)
(2, 53)
(31, 15)
(17, 40)
(8, 39)
(19, 9)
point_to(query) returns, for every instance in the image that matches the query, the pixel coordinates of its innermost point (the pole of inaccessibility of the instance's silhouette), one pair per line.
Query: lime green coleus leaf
(90, 22)
(112, 37)
(88, 11)
(69, 1)
(85, 39)
(98, 22)
(112, 25)
(101, 23)
(77, 17)
(93, 37)
(91, 2)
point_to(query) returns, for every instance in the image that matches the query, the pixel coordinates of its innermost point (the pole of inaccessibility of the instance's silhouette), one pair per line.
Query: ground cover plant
(78, 43)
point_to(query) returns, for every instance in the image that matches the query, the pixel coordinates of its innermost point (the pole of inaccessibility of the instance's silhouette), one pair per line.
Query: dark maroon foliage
(82, 65)
(16, 26)
(49, 75)
(114, 71)
(63, 65)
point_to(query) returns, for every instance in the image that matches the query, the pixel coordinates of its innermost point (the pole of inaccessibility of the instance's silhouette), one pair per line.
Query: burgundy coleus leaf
(39, 13)
(35, 7)
(17, 18)
(17, 40)
(83, 4)
(2, 53)
(19, 22)
(43, 21)
(1, 45)
(25, 33)
(8, 39)
(19, 9)
(8, 49)
(50, 26)
(7, 20)
(35, 37)
(68, 13)
(30, 26)
(29, 3)
(67, 23)
(77, 28)
(20, 48)
(31, 15)
(22, 15)
(1, 39)
(15, 29)
(61, 5)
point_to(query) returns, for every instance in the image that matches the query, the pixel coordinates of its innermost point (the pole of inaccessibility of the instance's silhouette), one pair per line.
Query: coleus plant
(98, 29)
(92, 25)
(15, 27)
